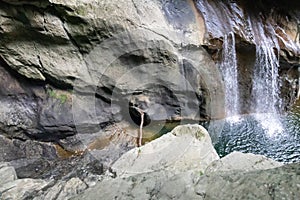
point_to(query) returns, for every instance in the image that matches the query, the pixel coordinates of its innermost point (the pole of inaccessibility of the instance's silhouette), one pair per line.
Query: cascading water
(228, 67)
(265, 82)
(260, 131)
(266, 101)
(265, 85)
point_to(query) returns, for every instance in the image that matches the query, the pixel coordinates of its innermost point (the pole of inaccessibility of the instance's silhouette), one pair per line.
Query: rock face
(278, 183)
(74, 67)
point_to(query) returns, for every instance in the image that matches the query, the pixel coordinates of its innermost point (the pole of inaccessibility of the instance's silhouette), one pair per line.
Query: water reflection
(279, 140)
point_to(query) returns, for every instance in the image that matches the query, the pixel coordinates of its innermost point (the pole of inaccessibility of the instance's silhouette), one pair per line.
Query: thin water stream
(228, 67)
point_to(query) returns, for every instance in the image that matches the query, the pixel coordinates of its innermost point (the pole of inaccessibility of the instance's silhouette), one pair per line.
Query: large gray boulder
(242, 162)
(62, 190)
(186, 147)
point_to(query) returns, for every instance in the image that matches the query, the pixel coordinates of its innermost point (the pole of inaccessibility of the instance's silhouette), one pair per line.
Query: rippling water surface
(276, 138)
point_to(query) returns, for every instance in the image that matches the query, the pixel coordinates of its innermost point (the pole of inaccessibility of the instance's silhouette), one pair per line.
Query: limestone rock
(63, 190)
(154, 185)
(277, 183)
(7, 173)
(186, 147)
(243, 162)
(77, 29)
(21, 188)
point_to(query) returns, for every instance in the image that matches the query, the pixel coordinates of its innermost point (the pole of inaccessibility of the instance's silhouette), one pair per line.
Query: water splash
(228, 68)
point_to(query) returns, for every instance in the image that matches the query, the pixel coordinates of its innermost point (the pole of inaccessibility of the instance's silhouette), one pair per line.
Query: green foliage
(61, 97)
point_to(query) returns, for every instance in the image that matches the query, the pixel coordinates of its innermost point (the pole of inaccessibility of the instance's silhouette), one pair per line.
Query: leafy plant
(61, 97)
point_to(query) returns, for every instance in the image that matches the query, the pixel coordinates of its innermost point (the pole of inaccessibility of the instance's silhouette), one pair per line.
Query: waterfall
(261, 29)
(228, 67)
(266, 102)
(265, 89)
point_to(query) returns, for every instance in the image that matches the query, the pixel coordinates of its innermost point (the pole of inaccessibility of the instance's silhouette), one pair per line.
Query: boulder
(185, 147)
(22, 188)
(62, 190)
(155, 185)
(243, 162)
(7, 173)
(163, 169)
(14, 149)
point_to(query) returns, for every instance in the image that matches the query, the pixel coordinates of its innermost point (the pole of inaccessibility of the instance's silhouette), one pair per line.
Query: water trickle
(228, 67)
